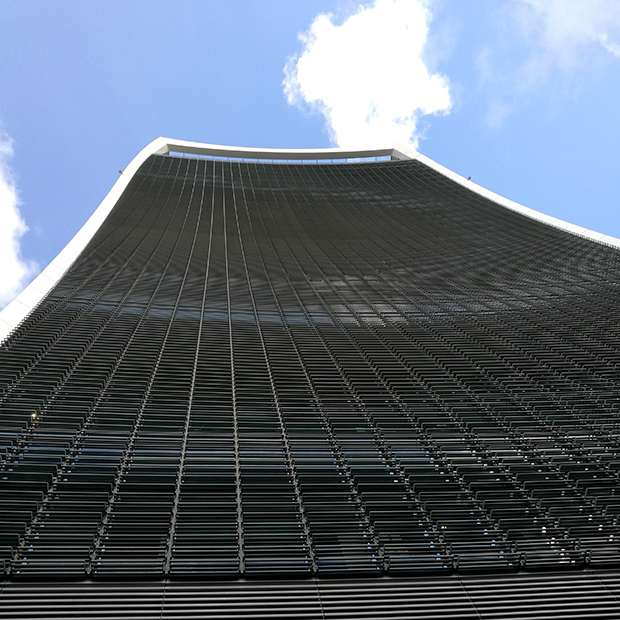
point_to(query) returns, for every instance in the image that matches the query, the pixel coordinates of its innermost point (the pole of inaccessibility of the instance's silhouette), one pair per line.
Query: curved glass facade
(263, 370)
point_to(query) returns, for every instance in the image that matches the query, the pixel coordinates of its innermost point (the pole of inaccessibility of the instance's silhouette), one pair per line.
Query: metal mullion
(287, 449)
(181, 464)
(240, 530)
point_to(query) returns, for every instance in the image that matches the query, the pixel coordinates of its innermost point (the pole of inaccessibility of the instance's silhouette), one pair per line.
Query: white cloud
(612, 48)
(368, 76)
(14, 270)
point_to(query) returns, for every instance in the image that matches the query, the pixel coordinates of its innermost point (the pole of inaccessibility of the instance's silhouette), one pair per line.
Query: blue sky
(521, 95)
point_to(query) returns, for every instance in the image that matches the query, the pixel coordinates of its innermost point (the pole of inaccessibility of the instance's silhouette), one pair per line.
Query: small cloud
(612, 48)
(368, 75)
(15, 270)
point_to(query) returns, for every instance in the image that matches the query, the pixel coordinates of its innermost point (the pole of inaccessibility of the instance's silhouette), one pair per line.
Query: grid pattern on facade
(261, 369)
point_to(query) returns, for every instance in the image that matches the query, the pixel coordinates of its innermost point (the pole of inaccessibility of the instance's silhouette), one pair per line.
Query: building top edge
(167, 145)
(17, 310)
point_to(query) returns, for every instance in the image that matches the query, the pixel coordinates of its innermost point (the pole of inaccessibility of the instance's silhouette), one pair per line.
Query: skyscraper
(353, 376)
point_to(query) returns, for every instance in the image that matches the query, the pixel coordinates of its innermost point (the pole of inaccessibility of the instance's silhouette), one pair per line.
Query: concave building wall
(322, 373)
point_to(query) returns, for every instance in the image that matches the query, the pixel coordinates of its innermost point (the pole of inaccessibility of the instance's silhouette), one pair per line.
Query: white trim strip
(17, 310)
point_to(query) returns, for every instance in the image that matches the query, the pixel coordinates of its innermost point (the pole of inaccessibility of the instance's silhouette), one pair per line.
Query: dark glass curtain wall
(310, 369)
